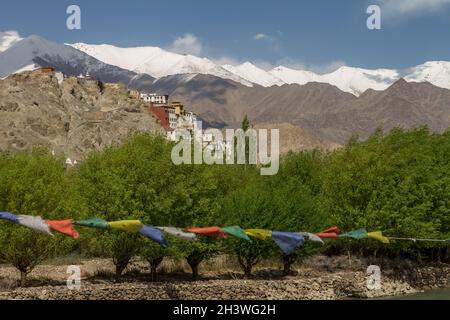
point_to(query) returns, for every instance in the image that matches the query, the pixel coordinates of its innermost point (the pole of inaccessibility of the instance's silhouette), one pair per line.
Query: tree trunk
(194, 268)
(287, 264)
(247, 265)
(194, 263)
(439, 255)
(349, 258)
(153, 270)
(23, 278)
(119, 270)
(286, 267)
(248, 270)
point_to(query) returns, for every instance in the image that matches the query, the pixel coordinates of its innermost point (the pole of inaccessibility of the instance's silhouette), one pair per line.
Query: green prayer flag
(96, 223)
(356, 234)
(236, 232)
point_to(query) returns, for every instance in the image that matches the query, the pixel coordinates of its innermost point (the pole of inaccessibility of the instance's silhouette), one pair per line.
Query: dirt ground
(316, 278)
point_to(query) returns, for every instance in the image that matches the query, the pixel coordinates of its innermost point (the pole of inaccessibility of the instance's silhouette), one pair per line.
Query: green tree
(296, 201)
(246, 207)
(133, 180)
(154, 254)
(245, 124)
(137, 180)
(31, 183)
(397, 183)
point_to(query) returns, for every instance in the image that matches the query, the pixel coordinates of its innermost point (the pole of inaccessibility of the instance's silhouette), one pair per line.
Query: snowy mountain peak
(8, 39)
(254, 74)
(435, 72)
(292, 76)
(156, 62)
(248, 64)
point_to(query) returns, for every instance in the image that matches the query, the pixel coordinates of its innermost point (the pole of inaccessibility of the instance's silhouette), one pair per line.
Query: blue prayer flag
(154, 234)
(288, 241)
(9, 216)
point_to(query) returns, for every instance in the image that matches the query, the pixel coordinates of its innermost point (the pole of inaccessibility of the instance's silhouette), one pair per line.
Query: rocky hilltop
(68, 115)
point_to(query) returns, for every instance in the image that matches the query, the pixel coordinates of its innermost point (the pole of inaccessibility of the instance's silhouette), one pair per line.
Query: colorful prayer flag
(154, 234)
(311, 237)
(179, 233)
(259, 233)
(330, 233)
(64, 227)
(127, 225)
(378, 235)
(331, 230)
(96, 223)
(288, 241)
(237, 232)
(9, 217)
(212, 232)
(356, 234)
(35, 223)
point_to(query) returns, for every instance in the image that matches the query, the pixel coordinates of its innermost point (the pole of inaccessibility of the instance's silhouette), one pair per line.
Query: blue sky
(314, 34)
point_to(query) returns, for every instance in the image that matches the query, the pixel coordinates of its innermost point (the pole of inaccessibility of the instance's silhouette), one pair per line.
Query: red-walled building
(47, 70)
(162, 115)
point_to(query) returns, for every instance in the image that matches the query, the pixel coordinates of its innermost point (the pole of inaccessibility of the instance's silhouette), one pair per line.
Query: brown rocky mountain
(73, 116)
(324, 111)
(293, 138)
(404, 104)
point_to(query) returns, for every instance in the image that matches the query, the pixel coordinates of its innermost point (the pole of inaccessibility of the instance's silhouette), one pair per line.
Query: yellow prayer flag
(127, 225)
(378, 235)
(259, 233)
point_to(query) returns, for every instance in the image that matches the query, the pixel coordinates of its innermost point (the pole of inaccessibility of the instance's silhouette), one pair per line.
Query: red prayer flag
(329, 233)
(213, 232)
(64, 227)
(331, 230)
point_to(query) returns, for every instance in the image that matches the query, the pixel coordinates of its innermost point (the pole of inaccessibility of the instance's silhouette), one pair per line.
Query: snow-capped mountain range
(158, 63)
(17, 54)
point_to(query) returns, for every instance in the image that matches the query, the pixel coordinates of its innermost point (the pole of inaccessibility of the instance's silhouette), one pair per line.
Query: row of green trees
(397, 183)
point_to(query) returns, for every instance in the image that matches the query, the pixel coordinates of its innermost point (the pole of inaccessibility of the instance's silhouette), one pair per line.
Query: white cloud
(261, 36)
(272, 41)
(8, 38)
(187, 44)
(392, 8)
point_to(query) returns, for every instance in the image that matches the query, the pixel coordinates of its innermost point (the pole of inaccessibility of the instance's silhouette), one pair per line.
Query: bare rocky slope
(293, 138)
(73, 117)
